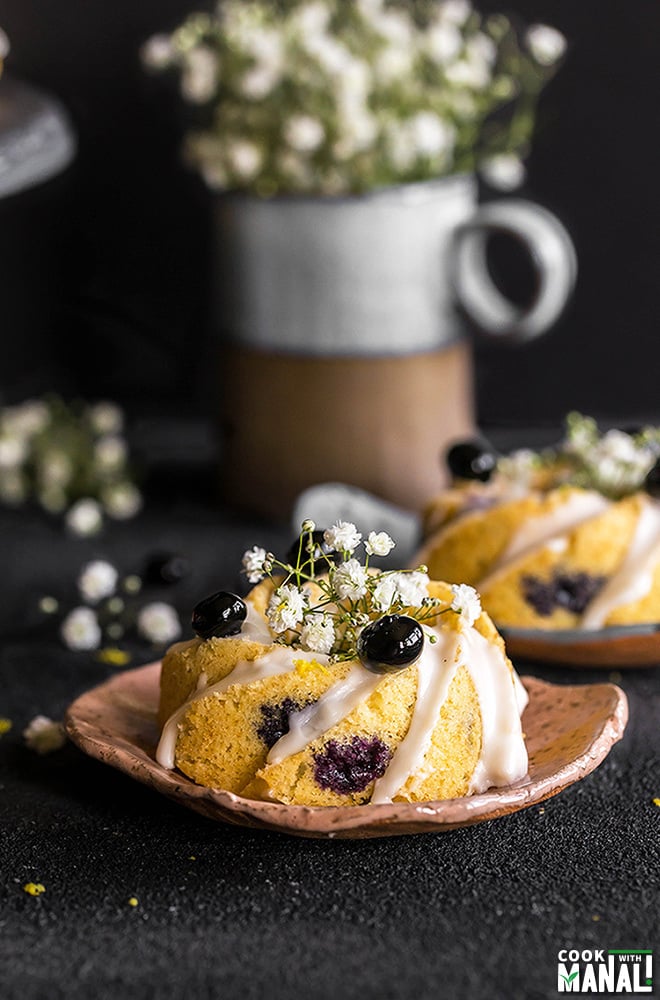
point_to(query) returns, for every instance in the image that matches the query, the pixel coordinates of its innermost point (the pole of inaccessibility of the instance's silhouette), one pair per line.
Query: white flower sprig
(324, 597)
(330, 97)
(615, 463)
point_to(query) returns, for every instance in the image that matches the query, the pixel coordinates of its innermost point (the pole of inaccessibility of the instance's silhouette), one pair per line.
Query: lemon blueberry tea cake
(566, 538)
(333, 683)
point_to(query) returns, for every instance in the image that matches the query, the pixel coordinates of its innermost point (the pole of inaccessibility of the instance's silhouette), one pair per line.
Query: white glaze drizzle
(634, 578)
(503, 757)
(279, 660)
(535, 532)
(435, 671)
(255, 627)
(333, 706)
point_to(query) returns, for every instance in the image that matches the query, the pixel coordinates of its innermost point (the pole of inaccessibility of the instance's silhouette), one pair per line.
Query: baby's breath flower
(444, 41)
(245, 159)
(378, 543)
(158, 52)
(13, 487)
(318, 634)
(122, 500)
(55, 470)
(349, 580)
(110, 452)
(519, 466)
(456, 11)
(199, 80)
(84, 517)
(286, 607)
(26, 419)
(342, 537)
(43, 735)
(505, 171)
(97, 580)
(80, 629)
(13, 452)
(466, 602)
(106, 418)
(54, 500)
(304, 133)
(284, 81)
(159, 623)
(385, 592)
(412, 588)
(546, 44)
(254, 564)
(431, 135)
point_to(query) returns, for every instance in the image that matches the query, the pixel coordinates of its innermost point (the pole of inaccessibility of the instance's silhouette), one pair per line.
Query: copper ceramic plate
(615, 646)
(570, 730)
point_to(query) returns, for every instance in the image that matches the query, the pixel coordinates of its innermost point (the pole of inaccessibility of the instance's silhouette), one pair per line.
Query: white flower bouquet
(330, 97)
(71, 460)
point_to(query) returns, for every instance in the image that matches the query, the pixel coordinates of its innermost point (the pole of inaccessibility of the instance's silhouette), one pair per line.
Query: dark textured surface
(226, 912)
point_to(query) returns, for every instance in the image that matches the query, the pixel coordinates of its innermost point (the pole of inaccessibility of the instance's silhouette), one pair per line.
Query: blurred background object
(134, 224)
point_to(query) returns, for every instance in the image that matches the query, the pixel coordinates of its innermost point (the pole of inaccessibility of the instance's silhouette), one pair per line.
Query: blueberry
(539, 594)
(652, 481)
(274, 722)
(320, 556)
(165, 567)
(350, 766)
(390, 644)
(574, 591)
(221, 614)
(472, 460)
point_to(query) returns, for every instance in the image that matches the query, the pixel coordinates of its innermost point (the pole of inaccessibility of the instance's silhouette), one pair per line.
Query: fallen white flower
(159, 623)
(80, 630)
(44, 735)
(97, 580)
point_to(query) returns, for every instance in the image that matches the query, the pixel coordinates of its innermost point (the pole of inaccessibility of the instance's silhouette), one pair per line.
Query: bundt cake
(560, 539)
(333, 683)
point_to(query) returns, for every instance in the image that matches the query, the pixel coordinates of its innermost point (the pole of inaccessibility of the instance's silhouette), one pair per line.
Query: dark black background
(103, 284)
(130, 226)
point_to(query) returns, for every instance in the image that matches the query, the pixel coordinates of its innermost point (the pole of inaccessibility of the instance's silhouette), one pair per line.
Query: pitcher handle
(552, 255)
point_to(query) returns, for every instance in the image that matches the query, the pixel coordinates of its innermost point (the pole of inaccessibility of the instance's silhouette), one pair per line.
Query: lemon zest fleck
(34, 888)
(114, 656)
(5, 726)
(133, 901)
(656, 802)
(307, 667)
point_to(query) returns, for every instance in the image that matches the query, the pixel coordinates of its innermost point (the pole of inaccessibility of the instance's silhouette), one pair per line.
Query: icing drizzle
(536, 532)
(503, 757)
(634, 578)
(278, 660)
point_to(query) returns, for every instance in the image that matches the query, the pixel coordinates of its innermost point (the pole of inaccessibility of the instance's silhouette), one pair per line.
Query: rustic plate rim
(345, 821)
